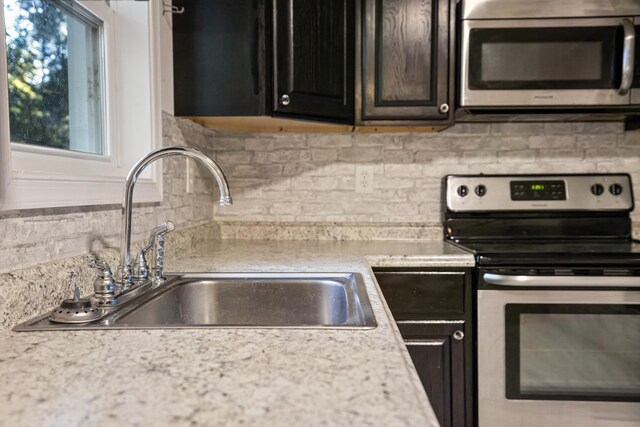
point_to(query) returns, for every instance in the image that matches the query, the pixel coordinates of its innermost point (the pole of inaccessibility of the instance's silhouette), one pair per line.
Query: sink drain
(76, 310)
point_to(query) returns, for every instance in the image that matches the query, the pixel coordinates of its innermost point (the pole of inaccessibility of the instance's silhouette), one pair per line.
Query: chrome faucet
(126, 278)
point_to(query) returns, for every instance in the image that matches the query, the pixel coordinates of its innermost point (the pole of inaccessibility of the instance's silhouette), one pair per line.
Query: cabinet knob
(458, 335)
(444, 108)
(285, 100)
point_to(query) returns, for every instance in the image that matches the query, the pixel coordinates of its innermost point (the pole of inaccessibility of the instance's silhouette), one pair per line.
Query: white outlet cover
(364, 179)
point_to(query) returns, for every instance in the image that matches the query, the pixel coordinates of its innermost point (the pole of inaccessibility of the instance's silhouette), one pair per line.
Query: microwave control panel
(587, 192)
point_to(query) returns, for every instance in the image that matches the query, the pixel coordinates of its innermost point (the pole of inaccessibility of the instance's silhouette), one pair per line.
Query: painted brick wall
(311, 177)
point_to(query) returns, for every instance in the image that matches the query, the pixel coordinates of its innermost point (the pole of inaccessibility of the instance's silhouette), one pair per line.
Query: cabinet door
(314, 57)
(437, 352)
(406, 54)
(217, 58)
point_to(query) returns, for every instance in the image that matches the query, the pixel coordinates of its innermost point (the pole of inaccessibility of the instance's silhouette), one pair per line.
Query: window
(79, 101)
(54, 75)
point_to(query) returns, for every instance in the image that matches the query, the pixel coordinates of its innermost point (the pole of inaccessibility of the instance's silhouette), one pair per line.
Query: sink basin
(269, 300)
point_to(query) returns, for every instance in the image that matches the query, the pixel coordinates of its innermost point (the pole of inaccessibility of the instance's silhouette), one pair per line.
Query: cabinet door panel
(405, 52)
(405, 59)
(218, 46)
(431, 359)
(439, 359)
(314, 50)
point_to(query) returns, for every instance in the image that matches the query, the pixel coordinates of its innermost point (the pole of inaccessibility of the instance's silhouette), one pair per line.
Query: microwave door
(548, 62)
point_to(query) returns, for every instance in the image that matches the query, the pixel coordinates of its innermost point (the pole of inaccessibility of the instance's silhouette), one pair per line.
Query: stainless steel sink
(258, 300)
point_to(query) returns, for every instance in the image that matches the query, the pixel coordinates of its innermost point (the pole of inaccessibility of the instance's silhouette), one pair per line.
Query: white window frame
(41, 177)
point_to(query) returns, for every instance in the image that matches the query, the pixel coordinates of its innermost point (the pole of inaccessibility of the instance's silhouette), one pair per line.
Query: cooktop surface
(554, 252)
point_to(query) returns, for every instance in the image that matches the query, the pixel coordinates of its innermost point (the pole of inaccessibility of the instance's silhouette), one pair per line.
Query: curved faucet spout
(127, 203)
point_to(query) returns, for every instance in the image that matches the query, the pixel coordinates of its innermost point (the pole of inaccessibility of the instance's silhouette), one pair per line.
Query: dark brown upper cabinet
(363, 63)
(314, 59)
(220, 58)
(407, 53)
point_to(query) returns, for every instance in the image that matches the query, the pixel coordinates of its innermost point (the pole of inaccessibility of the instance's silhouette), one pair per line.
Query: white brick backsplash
(397, 156)
(311, 178)
(517, 128)
(336, 169)
(505, 143)
(235, 157)
(324, 155)
(612, 153)
(406, 171)
(441, 143)
(468, 129)
(316, 183)
(596, 141)
(545, 141)
(590, 128)
(517, 155)
(437, 157)
(558, 129)
(360, 154)
(330, 140)
(282, 156)
(373, 140)
(254, 171)
(560, 155)
(271, 143)
(391, 183)
(408, 167)
(285, 208)
(479, 156)
(629, 139)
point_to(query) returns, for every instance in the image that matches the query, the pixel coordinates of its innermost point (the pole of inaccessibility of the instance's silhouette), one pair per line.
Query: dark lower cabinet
(437, 352)
(314, 57)
(433, 311)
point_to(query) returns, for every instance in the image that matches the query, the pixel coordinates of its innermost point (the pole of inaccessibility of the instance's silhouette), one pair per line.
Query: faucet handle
(101, 265)
(156, 242)
(104, 285)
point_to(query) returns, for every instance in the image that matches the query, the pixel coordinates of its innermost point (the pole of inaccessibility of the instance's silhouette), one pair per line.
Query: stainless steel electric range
(557, 296)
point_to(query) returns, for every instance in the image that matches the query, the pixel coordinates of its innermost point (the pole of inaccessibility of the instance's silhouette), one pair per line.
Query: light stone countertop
(234, 377)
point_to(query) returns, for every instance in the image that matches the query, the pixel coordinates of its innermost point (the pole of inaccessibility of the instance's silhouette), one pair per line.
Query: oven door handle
(628, 56)
(565, 281)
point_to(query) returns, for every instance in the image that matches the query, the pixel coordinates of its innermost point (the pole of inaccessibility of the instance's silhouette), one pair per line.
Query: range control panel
(593, 192)
(538, 190)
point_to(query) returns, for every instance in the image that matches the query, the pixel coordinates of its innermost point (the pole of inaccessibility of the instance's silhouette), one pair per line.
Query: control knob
(615, 189)
(481, 190)
(463, 190)
(597, 189)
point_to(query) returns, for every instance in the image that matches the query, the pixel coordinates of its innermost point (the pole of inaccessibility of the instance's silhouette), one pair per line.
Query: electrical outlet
(364, 179)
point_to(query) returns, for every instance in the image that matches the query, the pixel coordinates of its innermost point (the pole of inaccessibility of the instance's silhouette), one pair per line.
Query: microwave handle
(628, 56)
(566, 281)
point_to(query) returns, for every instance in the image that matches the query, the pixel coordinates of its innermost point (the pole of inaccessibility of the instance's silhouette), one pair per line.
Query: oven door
(557, 356)
(550, 62)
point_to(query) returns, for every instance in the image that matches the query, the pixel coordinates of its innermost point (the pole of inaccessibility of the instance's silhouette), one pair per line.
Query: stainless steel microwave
(548, 53)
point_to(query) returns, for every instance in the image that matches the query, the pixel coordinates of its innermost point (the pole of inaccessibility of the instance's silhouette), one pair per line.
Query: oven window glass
(573, 352)
(545, 58)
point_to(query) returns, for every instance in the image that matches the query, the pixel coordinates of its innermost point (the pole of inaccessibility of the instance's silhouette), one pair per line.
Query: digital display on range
(538, 190)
